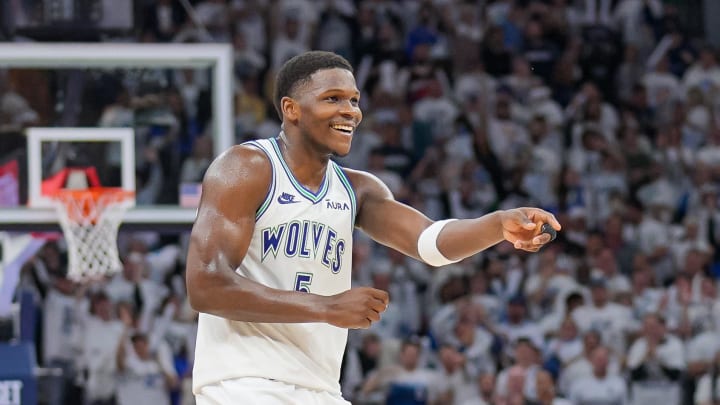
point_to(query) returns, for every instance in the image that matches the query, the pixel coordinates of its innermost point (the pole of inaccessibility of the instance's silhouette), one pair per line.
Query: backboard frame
(37, 135)
(218, 57)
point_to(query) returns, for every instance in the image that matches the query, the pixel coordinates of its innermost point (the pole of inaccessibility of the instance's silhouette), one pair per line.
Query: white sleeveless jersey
(302, 241)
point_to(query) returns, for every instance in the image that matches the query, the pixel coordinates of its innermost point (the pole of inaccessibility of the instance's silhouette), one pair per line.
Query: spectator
(409, 382)
(519, 379)
(656, 361)
(359, 364)
(65, 307)
(455, 370)
(582, 366)
(144, 376)
(546, 391)
(134, 286)
(601, 386)
(612, 320)
(708, 392)
(485, 387)
(102, 334)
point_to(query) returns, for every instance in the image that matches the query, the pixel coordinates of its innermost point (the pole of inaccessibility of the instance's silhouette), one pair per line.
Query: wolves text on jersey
(308, 239)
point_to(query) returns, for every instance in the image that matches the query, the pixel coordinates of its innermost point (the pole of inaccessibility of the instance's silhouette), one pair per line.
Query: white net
(90, 220)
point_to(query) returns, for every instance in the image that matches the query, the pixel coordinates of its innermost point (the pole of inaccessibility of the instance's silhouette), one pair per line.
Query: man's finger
(550, 219)
(554, 222)
(378, 306)
(380, 294)
(528, 245)
(542, 239)
(538, 215)
(527, 222)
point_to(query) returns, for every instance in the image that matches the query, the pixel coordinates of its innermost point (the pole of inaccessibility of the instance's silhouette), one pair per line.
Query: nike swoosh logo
(282, 200)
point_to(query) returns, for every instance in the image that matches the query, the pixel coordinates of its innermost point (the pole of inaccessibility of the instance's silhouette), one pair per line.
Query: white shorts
(261, 391)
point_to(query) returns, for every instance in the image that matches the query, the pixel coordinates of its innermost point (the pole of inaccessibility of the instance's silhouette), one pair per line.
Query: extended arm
(234, 187)
(399, 226)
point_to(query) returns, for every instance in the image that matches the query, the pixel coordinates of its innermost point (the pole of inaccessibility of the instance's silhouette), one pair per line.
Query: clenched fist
(356, 308)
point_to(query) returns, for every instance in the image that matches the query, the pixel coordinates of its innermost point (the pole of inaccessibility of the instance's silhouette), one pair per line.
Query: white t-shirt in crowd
(612, 321)
(647, 301)
(101, 340)
(657, 388)
(661, 87)
(526, 329)
(143, 382)
(529, 389)
(591, 390)
(705, 79)
(565, 350)
(62, 326)
(478, 357)
(703, 347)
(421, 382)
(582, 368)
(703, 391)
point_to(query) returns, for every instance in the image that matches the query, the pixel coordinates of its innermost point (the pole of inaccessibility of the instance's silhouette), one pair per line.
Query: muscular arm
(399, 226)
(235, 185)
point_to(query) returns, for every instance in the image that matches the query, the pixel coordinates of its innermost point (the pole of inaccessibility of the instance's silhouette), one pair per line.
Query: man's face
(516, 312)
(141, 348)
(545, 386)
(449, 358)
(525, 354)
(600, 360)
(409, 356)
(653, 328)
(599, 295)
(104, 307)
(372, 347)
(329, 110)
(487, 383)
(591, 340)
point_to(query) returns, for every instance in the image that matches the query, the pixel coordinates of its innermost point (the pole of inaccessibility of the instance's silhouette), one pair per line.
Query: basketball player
(269, 264)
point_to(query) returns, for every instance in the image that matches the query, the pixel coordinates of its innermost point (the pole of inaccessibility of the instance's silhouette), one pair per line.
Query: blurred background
(604, 112)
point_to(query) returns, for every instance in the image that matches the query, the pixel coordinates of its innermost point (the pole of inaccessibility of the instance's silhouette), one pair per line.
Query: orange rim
(84, 204)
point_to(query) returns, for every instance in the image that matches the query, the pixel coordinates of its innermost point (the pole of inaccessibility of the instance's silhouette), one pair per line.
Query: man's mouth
(346, 129)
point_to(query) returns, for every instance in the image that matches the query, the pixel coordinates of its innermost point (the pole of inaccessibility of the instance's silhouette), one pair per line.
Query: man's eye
(354, 101)
(332, 99)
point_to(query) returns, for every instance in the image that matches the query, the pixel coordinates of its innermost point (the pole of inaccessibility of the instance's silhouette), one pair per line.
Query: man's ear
(290, 108)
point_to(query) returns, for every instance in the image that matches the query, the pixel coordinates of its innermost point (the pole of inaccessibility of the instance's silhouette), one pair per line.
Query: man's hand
(357, 308)
(521, 227)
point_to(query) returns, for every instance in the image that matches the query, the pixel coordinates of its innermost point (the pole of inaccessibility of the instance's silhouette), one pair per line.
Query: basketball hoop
(90, 219)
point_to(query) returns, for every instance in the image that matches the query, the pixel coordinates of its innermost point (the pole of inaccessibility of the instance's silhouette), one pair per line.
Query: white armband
(427, 245)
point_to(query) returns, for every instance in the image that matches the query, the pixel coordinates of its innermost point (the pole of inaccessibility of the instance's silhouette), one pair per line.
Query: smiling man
(270, 254)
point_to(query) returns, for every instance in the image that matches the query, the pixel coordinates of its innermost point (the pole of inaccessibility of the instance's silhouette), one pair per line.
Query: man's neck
(306, 166)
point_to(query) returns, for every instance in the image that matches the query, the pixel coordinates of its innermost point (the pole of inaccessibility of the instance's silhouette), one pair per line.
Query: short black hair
(298, 70)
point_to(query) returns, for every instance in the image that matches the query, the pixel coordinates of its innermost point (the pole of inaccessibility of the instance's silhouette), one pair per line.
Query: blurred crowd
(604, 112)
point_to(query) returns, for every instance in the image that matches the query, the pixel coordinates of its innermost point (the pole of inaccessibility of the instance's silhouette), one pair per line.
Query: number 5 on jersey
(302, 282)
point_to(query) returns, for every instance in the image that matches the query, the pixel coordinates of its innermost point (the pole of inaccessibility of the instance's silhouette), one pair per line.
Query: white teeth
(345, 128)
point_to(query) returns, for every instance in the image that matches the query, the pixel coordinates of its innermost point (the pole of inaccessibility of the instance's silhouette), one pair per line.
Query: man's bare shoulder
(238, 162)
(241, 168)
(367, 185)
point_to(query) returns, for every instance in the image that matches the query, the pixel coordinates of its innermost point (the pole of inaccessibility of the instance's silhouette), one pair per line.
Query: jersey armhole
(271, 190)
(349, 189)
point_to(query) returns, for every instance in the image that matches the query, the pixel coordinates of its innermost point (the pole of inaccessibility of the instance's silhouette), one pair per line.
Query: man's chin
(341, 154)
